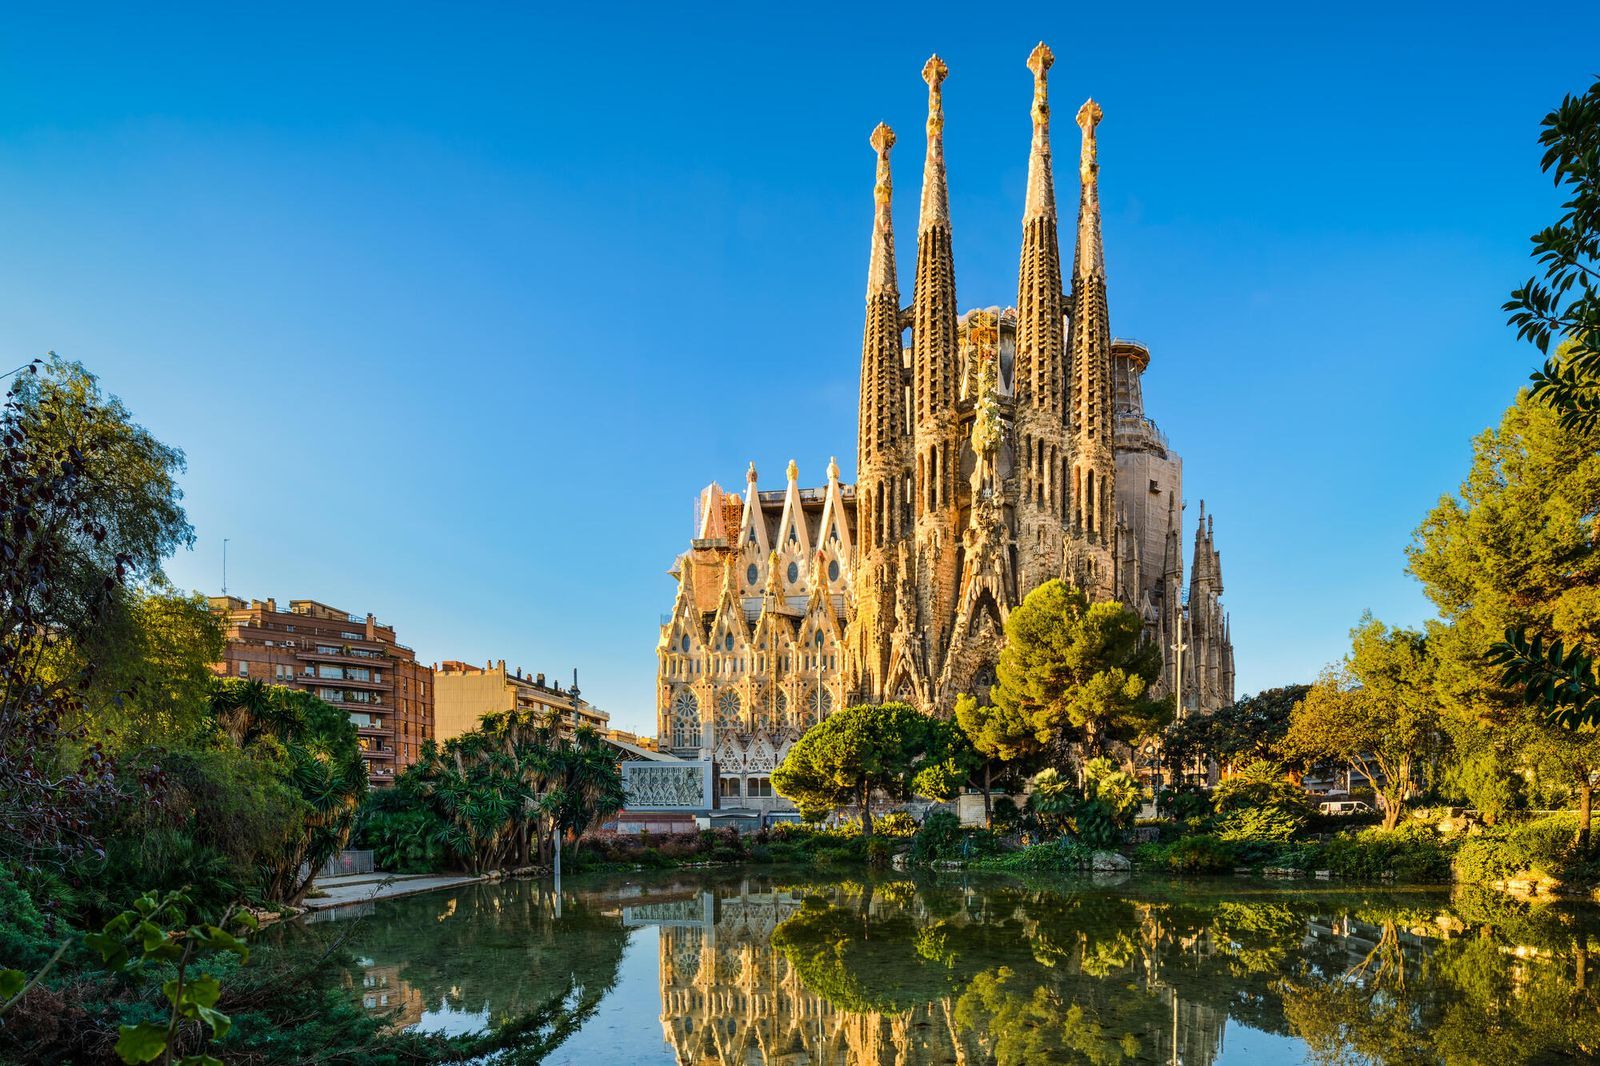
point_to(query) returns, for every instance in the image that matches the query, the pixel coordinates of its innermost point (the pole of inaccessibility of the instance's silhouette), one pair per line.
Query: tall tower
(936, 432)
(1040, 380)
(1093, 456)
(881, 442)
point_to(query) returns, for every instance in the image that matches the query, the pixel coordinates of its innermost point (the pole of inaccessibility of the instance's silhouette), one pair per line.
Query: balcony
(346, 682)
(353, 657)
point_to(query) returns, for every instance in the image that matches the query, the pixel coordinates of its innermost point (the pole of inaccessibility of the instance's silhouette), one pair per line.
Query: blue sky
(454, 307)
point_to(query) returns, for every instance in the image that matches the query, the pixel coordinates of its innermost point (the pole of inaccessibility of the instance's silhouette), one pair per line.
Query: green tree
(152, 683)
(1078, 673)
(851, 754)
(126, 486)
(88, 509)
(1003, 740)
(1517, 548)
(1376, 710)
(1248, 729)
(317, 751)
(1565, 305)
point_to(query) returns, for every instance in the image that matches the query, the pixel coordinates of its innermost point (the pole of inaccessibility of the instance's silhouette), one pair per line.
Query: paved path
(343, 891)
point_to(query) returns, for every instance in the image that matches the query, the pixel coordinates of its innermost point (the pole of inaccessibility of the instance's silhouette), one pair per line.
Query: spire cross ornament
(882, 141)
(1089, 116)
(934, 72)
(1039, 61)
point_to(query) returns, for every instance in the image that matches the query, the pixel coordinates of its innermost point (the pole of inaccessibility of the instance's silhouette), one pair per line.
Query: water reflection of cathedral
(728, 996)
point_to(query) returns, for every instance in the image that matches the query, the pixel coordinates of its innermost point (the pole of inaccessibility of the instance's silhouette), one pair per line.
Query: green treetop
(853, 753)
(1077, 672)
(1376, 710)
(1518, 548)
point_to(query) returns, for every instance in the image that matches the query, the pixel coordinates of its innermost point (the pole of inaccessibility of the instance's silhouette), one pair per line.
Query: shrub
(1409, 852)
(1058, 856)
(1543, 846)
(878, 852)
(1200, 854)
(1257, 824)
(895, 824)
(1259, 785)
(1184, 804)
(1004, 814)
(938, 838)
(833, 856)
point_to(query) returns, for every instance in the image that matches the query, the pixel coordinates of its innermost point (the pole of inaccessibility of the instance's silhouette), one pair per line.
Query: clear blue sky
(454, 308)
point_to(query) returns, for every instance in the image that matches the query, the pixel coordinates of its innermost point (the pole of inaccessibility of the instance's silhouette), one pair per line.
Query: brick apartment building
(349, 661)
(463, 694)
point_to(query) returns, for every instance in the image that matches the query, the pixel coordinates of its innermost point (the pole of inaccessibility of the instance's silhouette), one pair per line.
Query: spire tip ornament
(882, 138)
(1040, 60)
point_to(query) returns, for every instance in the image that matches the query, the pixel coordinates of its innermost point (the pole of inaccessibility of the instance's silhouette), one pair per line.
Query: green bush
(1200, 854)
(1058, 856)
(833, 856)
(1544, 846)
(895, 824)
(1004, 814)
(879, 852)
(938, 838)
(1257, 824)
(1410, 853)
(1184, 804)
(1262, 785)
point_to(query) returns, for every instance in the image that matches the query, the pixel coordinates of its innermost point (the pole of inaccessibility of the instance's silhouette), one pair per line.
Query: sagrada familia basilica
(997, 449)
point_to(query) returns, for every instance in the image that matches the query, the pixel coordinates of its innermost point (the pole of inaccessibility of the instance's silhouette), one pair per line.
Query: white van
(1345, 807)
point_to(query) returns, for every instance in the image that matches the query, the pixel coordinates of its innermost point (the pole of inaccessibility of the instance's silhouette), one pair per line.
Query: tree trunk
(1391, 812)
(866, 810)
(1585, 809)
(988, 806)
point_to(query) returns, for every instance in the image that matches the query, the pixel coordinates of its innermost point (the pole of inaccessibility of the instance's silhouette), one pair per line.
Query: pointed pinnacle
(1089, 116)
(882, 138)
(934, 71)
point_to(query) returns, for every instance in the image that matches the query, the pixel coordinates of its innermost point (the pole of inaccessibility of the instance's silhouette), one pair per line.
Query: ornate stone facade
(996, 450)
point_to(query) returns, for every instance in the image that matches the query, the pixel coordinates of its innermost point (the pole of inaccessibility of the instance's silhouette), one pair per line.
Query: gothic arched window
(686, 720)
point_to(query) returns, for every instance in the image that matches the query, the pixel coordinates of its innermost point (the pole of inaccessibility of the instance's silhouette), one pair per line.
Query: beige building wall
(463, 694)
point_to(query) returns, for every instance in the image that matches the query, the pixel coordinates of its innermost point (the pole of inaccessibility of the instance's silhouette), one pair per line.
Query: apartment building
(348, 660)
(463, 694)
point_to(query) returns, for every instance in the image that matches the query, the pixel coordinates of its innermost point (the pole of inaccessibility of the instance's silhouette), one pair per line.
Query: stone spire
(881, 391)
(881, 444)
(935, 187)
(1041, 201)
(1089, 346)
(933, 322)
(1089, 259)
(1040, 381)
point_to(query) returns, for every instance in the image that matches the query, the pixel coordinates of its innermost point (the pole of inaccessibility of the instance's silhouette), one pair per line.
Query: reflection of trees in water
(760, 970)
(1513, 989)
(1007, 974)
(492, 952)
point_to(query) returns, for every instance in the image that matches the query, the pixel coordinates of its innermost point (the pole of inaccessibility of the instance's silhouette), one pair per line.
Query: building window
(244, 668)
(730, 788)
(759, 786)
(794, 573)
(752, 575)
(686, 721)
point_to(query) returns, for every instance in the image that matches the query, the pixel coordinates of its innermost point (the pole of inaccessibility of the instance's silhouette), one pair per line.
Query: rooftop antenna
(224, 566)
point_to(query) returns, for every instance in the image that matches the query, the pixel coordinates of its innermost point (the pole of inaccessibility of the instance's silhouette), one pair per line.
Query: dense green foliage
(1250, 728)
(1565, 305)
(1074, 676)
(1376, 710)
(871, 748)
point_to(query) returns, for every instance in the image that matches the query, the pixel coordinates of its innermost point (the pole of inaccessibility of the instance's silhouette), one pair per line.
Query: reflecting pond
(797, 968)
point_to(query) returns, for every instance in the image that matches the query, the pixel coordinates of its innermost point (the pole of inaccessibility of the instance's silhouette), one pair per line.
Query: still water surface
(802, 968)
